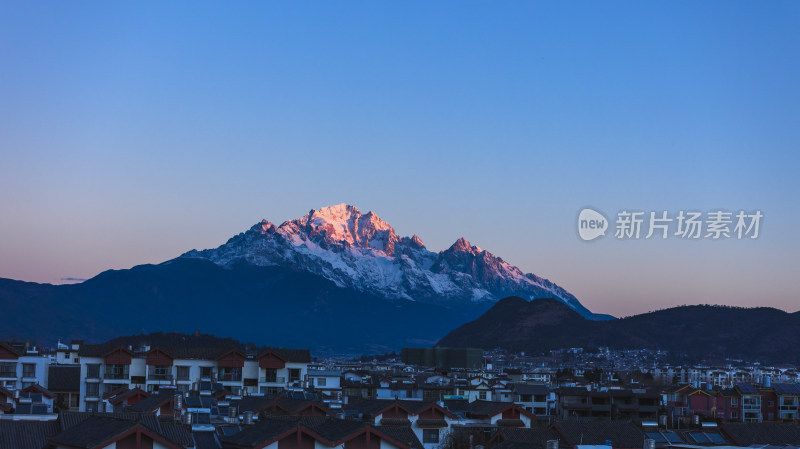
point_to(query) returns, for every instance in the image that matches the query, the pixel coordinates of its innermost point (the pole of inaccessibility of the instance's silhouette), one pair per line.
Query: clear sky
(131, 132)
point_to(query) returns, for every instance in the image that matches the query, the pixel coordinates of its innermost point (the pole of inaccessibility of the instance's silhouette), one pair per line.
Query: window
(92, 390)
(28, 370)
(270, 375)
(734, 415)
(93, 371)
(183, 372)
(430, 435)
(482, 395)
(230, 374)
(118, 372)
(321, 382)
(206, 371)
(159, 373)
(771, 404)
(734, 402)
(8, 369)
(294, 374)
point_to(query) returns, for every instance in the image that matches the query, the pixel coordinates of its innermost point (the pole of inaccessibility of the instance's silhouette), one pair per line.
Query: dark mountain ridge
(697, 331)
(267, 305)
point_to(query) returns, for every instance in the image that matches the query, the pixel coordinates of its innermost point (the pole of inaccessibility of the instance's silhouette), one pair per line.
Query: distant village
(181, 397)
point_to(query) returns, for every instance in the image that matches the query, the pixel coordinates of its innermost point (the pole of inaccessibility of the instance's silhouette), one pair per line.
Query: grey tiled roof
(746, 434)
(152, 402)
(402, 435)
(93, 431)
(68, 420)
(63, 378)
(26, 434)
(787, 389)
(258, 434)
(206, 440)
(537, 438)
(620, 433)
(530, 389)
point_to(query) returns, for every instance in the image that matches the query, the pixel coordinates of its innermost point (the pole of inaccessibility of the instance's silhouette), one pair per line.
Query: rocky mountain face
(363, 252)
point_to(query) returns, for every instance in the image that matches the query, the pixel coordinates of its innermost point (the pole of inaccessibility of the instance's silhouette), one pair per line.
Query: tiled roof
(536, 438)
(96, 350)
(746, 389)
(294, 404)
(152, 402)
(486, 408)
(63, 378)
(746, 434)
(373, 407)
(26, 434)
(121, 395)
(395, 422)
(510, 423)
(787, 389)
(332, 429)
(68, 420)
(206, 440)
(292, 355)
(573, 391)
(93, 431)
(180, 434)
(257, 435)
(518, 445)
(529, 389)
(456, 405)
(5, 392)
(40, 389)
(621, 434)
(253, 403)
(431, 423)
(197, 352)
(402, 435)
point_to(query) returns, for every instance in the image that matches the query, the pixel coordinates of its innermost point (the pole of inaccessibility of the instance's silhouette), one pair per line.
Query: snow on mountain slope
(362, 251)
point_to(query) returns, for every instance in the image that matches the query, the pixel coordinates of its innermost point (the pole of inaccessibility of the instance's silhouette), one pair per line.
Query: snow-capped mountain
(363, 252)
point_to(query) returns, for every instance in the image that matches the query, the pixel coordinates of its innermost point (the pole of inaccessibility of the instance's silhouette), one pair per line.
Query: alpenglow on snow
(363, 252)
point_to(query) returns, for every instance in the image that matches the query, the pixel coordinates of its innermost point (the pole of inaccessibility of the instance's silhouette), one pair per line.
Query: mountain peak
(364, 252)
(344, 224)
(463, 245)
(338, 212)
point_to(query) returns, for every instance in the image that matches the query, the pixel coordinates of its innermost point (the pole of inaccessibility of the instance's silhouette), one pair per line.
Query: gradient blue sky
(131, 132)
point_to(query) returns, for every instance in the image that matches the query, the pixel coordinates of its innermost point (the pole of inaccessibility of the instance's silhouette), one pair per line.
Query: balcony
(272, 380)
(92, 395)
(8, 374)
(159, 377)
(230, 377)
(115, 375)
